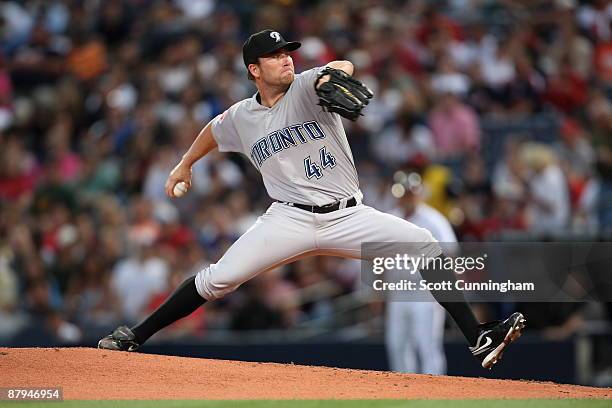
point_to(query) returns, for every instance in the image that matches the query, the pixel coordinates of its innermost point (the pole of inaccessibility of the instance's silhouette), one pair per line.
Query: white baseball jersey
(425, 216)
(301, 151)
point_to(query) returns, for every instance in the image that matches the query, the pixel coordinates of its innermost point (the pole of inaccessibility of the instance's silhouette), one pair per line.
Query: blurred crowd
(503, 107)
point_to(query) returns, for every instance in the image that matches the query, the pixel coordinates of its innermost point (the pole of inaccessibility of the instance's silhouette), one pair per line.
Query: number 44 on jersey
(313, 169)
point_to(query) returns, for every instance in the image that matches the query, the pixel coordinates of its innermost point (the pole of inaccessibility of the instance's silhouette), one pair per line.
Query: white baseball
(180, 189)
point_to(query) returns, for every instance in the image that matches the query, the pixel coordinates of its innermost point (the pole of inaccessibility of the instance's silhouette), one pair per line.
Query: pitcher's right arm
(201, 146)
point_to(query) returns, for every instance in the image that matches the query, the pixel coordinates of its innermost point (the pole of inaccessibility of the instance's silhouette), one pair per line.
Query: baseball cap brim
(289, 45)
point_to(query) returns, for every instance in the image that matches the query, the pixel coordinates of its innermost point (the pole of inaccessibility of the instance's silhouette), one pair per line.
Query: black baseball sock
(453, 301)
(184, 301)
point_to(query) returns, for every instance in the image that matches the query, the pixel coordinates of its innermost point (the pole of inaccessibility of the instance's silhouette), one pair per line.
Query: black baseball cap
(265, 42)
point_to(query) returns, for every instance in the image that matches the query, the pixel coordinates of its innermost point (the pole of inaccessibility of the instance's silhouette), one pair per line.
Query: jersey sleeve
(224, 131)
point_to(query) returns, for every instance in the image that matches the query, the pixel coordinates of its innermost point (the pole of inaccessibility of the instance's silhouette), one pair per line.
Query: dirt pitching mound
(91, 374)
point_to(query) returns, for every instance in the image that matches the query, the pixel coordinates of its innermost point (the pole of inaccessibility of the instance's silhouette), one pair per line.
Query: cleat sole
(513, 334)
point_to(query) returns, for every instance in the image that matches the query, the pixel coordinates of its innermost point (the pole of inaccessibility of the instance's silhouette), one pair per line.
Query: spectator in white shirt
(548, 206)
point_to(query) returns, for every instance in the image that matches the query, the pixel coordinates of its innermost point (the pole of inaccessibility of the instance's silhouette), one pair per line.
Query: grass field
(534, 403)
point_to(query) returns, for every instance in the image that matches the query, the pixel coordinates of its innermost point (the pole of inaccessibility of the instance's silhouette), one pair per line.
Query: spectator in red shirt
(603, 62)
(566, 90)
(18, 169)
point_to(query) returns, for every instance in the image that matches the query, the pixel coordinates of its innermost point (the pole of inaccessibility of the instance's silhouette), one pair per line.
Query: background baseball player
(306, 163)
(414, 331)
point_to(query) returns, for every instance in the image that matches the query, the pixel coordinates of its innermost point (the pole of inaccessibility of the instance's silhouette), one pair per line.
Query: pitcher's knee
(210, 287)
(425, 235)
(430, 247)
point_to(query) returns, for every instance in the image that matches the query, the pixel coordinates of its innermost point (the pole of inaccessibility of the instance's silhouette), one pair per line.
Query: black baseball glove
(342, 94)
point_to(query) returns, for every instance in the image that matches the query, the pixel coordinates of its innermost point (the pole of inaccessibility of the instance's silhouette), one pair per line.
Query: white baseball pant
(415, 337)
(285, 234)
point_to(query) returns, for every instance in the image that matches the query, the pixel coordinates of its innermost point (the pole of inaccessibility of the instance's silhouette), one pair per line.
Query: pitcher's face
(276, 68)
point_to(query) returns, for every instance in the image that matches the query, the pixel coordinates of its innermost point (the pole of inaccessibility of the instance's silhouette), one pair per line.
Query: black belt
(324, 209)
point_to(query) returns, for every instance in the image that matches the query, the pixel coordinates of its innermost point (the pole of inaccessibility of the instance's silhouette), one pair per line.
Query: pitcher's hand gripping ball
(342, 94)
(180, 189)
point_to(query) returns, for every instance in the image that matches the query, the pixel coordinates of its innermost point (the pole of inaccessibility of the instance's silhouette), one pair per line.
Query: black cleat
(494, 336)
(122, 339)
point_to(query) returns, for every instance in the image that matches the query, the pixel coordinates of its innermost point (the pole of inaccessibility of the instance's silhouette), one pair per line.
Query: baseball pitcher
(291, 131)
